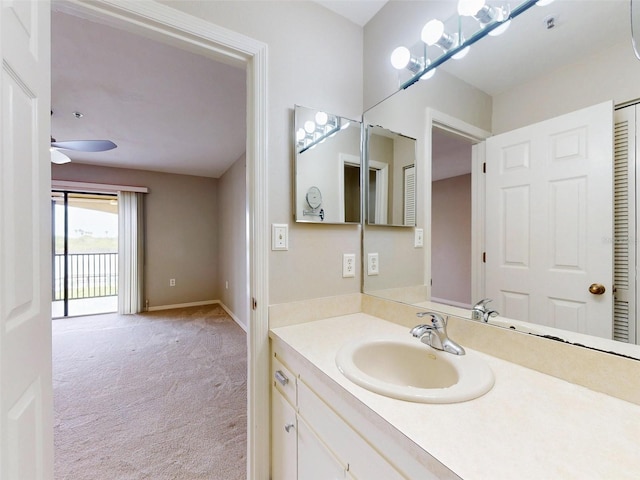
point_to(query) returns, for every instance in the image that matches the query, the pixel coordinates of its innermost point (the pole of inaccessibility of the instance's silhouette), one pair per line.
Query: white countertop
(529, 426)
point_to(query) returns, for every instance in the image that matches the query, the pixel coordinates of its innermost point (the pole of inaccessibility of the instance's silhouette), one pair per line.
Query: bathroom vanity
(529, 425)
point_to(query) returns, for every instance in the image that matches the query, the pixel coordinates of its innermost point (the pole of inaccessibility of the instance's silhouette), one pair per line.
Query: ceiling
(175, 111)
(167, 109)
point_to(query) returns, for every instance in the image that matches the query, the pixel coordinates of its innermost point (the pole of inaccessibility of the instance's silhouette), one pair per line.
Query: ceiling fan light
(58, 157)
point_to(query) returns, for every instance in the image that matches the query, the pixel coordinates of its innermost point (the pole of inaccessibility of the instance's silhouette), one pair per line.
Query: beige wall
(314, 59)
(181, 224)
(232, 275)
(451, 240)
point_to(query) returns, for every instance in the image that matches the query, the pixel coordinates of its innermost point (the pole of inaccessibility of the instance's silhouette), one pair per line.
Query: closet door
(624, 214)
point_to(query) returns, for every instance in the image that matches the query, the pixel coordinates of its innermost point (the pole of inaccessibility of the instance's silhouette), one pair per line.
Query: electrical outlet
(348, 265)
(172, 282)
(373, 267)
(279, 236)
(419, 238)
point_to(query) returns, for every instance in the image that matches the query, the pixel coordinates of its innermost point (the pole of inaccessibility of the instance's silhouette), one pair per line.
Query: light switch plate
(373, 266)
(279, 236)
(419, 238)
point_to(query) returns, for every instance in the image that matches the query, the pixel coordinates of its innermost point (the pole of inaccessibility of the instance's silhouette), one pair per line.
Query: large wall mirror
(327, 167)
(559, 85)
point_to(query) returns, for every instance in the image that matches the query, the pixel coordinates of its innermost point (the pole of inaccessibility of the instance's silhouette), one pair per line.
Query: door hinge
(484, 257)
(484, 167)
(254, 303)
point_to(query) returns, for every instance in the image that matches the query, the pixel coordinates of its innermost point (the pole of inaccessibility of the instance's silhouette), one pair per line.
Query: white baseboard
(183, 305)
(451, 302)
(198, 304)
(235, 319)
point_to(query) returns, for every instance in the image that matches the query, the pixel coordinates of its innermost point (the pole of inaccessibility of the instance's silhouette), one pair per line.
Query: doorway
(451, 218)
(84, 253)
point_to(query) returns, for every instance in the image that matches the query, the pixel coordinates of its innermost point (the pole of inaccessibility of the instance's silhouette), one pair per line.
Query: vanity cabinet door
(283, 438)
(315, 461)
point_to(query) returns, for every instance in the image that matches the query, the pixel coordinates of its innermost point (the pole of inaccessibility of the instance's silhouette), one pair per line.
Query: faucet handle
(436, 320)
(482, 304)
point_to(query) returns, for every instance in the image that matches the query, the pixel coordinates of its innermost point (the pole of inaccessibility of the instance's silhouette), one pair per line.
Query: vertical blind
(131, 249)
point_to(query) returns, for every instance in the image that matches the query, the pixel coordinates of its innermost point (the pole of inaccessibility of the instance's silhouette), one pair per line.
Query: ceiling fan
(78, 145)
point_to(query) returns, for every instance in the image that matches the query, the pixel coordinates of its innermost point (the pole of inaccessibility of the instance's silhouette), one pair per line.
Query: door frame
(172, 26)
(435, 118)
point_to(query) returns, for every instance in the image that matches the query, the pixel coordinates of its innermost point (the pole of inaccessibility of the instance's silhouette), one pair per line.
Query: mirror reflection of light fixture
(315, 132)
(490, 20)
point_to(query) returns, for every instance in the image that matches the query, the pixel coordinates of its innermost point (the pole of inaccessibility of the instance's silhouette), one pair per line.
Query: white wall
(611, 74)
(232, 276)
(314, 58)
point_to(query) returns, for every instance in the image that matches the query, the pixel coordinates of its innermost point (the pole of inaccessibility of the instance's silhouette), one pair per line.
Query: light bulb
(321, 118)
(345, 124)
(300, 134)
(400, 58)
(543, 3)
(501, 29)
(468, 8)
(429, 74)
(432, 32)
(462, 53)
(309, 126)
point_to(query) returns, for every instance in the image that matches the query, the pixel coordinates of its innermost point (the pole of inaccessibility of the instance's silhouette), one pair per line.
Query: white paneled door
(549, 222)
(26, 405)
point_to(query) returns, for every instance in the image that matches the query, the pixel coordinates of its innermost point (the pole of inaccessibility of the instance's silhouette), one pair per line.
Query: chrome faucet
(434, 334)
(480, 311)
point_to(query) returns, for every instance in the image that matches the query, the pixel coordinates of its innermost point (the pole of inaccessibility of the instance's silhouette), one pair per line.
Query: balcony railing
(90, 275)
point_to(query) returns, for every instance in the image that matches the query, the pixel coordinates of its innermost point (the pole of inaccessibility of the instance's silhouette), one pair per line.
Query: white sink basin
(407, 369)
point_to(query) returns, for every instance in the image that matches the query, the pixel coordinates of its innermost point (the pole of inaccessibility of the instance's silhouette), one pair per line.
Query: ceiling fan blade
(86, 145)
(58, 157)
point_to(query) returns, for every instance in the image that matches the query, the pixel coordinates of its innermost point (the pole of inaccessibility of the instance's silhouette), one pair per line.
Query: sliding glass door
(85, 253)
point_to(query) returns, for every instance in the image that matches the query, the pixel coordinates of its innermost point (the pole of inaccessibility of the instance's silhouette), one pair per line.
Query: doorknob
(597, 289)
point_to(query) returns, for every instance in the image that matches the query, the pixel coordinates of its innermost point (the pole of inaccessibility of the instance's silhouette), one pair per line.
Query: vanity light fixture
(315, 132)
(489, 20)
(485, 14)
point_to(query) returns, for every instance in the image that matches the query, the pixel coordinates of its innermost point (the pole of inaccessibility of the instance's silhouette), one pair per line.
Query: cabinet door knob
(289, 426)
(281, 377)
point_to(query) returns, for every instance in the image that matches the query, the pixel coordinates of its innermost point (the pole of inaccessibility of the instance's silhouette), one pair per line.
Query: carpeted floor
(160, 395)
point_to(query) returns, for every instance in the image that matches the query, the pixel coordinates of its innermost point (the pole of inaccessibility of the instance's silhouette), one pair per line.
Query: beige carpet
(161, 396)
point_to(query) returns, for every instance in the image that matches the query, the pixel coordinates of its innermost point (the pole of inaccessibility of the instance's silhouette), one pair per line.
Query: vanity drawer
(284, 380)
(362, 460)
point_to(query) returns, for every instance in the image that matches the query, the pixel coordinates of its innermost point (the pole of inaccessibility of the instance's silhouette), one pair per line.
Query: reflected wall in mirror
(585, 59)
(327, 167)
(391, 180)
